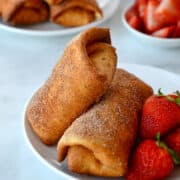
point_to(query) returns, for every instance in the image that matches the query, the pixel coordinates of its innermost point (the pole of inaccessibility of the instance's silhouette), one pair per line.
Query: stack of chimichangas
(89, 107)
(63, 12)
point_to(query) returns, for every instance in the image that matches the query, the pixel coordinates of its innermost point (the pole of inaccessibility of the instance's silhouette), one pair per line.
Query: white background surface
(25, 62)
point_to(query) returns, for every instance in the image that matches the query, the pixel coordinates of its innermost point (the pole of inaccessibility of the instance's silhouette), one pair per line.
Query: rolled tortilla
(75, 13)
(79, 79)
(99, 141)
(25, 12)
(1, 6)
(53, 2)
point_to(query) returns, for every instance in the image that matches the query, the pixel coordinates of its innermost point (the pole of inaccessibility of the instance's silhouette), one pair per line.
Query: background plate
(109, 7)
(155, 77)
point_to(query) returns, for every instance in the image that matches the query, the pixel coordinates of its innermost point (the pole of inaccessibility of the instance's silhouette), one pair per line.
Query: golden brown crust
(99, 141)
(53, 2)
(24, 12)
(75, 13)
(1, 6)
(75, 83)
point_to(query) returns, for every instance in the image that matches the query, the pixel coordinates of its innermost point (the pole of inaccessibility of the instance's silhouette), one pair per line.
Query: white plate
(109, 7)
(161, 42)
(157, 78)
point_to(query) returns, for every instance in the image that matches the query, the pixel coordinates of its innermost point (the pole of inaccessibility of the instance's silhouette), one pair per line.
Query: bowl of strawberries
(156, 22)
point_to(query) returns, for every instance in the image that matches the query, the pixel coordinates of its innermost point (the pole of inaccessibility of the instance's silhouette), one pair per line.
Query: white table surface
(25, 63)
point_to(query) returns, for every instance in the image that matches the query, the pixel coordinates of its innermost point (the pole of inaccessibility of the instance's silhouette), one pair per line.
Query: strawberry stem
(174, 155)
(178, 93)
(160, 92)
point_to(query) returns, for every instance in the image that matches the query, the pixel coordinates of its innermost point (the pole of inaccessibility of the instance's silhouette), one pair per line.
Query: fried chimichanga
(25, 12)
(1, 6)
(99, 141)
(75, 13)
(79, 79)
(53, 2)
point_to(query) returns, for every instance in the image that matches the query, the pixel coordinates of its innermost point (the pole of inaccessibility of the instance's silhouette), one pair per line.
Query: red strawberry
(168, 11)
(133, 18)
(131, 12)
(165, 32)
(150, 162)
(135, 22)
(160, 114)
(177, 31)
(173, 141)
(151, 22)
(142, 7)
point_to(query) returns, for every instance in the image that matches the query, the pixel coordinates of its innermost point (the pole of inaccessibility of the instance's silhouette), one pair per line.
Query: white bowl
(161, 42)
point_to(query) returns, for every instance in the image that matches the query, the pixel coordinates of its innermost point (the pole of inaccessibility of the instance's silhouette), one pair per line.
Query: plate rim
(66, 31)
(25, 122)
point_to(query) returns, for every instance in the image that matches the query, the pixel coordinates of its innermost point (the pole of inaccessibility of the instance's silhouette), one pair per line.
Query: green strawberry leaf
(158, 137)
(160, 92)
(174, 155)
(159, 143)
(178, 101)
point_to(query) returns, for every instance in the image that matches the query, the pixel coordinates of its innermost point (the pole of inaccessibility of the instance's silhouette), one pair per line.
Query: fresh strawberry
(168, 11)
(151, 22)
(131, 12)
(173, 141)
(177, 30)
(133, 18)
(165, 32)
(150, 162)
(160, 114)
(135, 22)
(142, 8)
